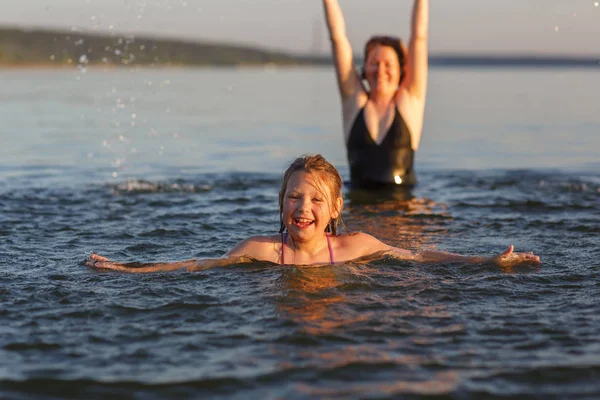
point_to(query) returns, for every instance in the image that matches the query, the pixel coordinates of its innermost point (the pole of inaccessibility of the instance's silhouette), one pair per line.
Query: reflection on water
(312, 300)
(397, 217)
(339, 305)
(439, 384)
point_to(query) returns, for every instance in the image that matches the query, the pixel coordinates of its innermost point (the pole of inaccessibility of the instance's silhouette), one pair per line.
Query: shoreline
(443, 64)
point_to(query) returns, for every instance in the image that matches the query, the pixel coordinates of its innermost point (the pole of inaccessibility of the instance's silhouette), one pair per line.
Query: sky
(497, 27)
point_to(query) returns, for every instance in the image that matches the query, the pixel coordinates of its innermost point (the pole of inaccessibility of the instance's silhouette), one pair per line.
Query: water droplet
(555, 28)
(115, 174)
(397, 179)
(133, 116)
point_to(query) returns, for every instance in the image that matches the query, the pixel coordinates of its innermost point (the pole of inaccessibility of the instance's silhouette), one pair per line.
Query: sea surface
(171, 164)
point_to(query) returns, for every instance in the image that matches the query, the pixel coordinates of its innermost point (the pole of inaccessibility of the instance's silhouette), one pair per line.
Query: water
(171, 164)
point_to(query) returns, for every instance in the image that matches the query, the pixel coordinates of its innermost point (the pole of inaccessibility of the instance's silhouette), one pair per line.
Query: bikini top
(283, 246)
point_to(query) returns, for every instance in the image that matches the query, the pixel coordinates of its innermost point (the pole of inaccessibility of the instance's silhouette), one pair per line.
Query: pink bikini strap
(330, 249)
(283, 240)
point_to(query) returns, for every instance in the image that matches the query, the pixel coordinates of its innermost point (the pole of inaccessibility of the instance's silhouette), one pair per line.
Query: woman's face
(307, 207)
(382, 69)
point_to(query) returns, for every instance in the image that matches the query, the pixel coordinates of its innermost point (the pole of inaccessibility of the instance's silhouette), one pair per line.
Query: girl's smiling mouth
(303, 223)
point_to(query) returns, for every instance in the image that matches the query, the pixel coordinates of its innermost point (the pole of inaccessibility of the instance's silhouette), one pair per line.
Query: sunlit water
(152, 165)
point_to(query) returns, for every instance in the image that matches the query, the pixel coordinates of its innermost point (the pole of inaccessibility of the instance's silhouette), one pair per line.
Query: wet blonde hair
(326, 174)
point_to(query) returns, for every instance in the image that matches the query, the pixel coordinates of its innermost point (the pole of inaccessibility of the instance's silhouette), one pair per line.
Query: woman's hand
(509, 258)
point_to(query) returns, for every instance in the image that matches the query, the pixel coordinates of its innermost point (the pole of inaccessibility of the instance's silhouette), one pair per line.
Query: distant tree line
(45, 47)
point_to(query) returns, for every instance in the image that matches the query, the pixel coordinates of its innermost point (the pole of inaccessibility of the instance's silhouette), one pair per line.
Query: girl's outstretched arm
(97, 261)
(348, 80)
(508, 258)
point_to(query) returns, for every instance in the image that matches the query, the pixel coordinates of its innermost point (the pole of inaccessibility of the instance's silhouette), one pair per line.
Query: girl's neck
(310, 247)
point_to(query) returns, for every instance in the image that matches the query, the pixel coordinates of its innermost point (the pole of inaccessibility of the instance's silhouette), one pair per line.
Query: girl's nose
(305, 204)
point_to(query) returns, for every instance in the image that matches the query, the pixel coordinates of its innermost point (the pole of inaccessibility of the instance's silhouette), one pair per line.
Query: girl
(310, 209)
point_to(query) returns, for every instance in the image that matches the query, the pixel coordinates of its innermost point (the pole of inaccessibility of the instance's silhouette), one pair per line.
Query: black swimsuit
(379, 166)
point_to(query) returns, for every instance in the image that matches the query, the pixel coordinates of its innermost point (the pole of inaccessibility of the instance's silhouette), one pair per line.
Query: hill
(19, 47)
(45, 47)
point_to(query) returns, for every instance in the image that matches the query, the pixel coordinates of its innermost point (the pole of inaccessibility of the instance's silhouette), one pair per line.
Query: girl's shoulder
(261, 242)
(264, 248)
(357, 239)
(268, 239)
(350, 246)
(353, 236)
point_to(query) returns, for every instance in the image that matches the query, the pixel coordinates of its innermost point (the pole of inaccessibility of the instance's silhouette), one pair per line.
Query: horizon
(441, 54)
(467, 27)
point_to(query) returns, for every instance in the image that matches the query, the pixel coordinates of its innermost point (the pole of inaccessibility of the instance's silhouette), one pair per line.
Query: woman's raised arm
(343, 59)
(418, 53)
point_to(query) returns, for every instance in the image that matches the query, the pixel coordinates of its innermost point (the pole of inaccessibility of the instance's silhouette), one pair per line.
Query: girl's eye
(317, 200)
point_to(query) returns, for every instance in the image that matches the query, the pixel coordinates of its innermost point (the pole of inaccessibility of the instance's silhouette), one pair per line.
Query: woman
(382, 123)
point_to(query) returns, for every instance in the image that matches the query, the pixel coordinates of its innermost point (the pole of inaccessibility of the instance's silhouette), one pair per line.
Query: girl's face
(307, 206)
(382, 69)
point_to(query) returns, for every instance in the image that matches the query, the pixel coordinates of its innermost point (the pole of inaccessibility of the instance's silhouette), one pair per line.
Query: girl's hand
(97, 261)
(509, 258)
